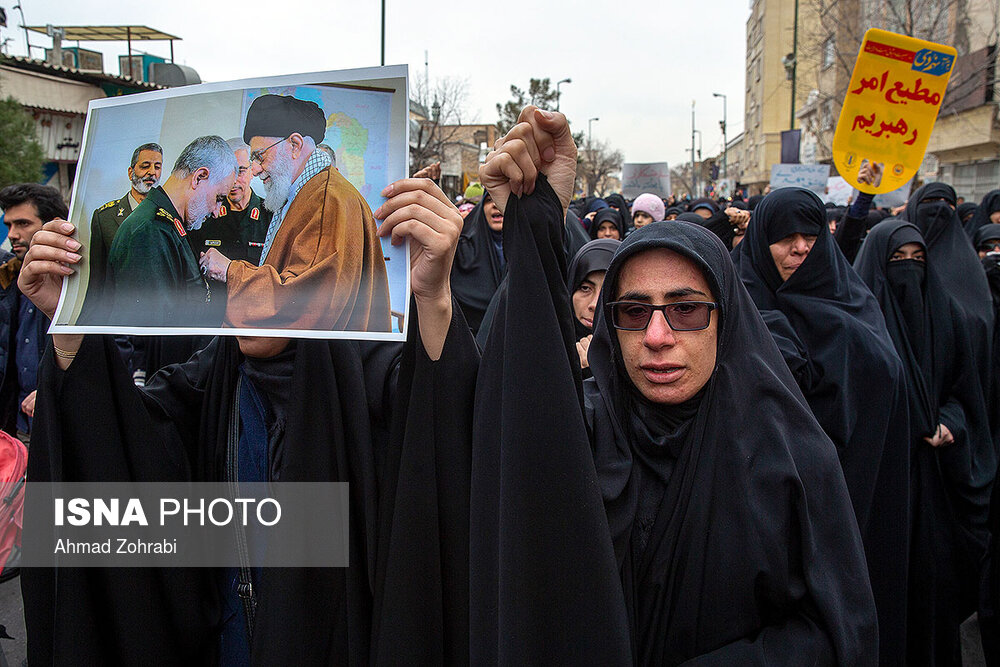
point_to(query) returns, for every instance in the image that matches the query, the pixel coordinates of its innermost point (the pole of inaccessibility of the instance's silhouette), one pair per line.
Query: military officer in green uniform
(241, 227)
(144, 175)
(152, 270)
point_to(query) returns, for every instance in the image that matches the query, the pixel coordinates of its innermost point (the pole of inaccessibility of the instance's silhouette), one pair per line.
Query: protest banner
(809, 176)
(897, 197)
(653, 177)
(278, 267)
(890, 108)
(838, 191)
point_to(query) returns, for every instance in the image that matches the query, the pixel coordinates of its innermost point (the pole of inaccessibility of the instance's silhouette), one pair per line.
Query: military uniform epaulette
(108, 205)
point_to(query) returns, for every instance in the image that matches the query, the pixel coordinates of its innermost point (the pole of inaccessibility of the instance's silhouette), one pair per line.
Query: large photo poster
(242, 208)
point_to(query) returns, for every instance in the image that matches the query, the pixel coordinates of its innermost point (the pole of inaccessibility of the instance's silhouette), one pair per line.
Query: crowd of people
(749, 431)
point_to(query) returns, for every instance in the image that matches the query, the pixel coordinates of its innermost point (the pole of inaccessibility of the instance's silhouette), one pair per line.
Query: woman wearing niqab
(833, 337)
(718, 529)
(949, 481)
(983, 213)
(932, 209)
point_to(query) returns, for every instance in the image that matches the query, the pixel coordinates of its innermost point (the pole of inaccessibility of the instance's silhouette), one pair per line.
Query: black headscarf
(966, 211)
(595, 256)
(607, 215)
(991, 263)
(986, 233)
(679, 492)
(948, 247)
(574, 234)
(407, 585)
(754, 201)
(989, 205)
(949, 484)
(950, 251)
(719, 224)
(478, 267)
(676, 211)
(704, 202)
(902, 291)
(618, 202)
(831, 332)
(690, 217)
(795, 585)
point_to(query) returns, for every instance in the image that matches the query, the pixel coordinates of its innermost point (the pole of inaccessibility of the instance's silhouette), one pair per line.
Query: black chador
(750, 551)
(832, 335)
(382, 417)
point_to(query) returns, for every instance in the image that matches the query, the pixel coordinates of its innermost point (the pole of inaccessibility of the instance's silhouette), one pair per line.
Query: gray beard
(141, 186)
(198, 213)
(280, 184)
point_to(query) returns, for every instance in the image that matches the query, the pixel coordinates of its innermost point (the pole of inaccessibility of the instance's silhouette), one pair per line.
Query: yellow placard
(890, 108)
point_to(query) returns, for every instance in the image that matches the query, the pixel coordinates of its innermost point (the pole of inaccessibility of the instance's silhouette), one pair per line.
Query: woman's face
(585, 298)
(608, 230)
(789, 253)
(909, 251)
(988, 246)
(641, 219)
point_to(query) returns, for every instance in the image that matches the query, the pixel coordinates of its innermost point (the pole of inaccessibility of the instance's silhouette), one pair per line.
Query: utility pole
(383, 32)
(427, 79)
(694, 179)
(590, 145)
(559, 94)
(725, 142)
(24, 24)
(795, 56)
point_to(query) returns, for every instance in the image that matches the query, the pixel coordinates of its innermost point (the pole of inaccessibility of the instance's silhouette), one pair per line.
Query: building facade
(964, 149)
(57, 99)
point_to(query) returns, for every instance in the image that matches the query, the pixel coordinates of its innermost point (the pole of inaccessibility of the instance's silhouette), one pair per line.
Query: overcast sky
(635, 65)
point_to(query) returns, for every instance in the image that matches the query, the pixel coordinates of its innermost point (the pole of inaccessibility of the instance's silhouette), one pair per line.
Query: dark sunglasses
(990, 246)
(680, 316)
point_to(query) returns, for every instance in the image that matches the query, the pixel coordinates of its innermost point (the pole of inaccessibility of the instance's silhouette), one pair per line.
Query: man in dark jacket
(144, 175)
(151, 267)
(26, 207)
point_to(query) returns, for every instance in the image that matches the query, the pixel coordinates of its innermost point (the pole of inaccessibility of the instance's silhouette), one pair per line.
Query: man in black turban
(321, 266)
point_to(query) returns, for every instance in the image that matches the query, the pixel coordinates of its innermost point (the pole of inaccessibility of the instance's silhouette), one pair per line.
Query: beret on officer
(283, 115)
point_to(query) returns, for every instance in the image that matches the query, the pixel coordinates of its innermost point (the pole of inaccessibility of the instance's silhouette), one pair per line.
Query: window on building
(826, 115)
(972, 181)
(829, 51)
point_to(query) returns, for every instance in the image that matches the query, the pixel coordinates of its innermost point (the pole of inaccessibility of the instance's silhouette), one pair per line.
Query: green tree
(539, 93)
(21, 156)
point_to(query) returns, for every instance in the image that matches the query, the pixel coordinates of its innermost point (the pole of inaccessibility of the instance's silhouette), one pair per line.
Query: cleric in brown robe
(322, 266)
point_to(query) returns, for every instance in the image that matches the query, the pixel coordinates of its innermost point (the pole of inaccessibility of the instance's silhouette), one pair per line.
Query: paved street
(12, 618)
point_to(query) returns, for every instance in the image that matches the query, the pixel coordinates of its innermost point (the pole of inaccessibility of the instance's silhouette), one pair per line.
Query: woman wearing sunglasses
(681, 504)
(833, 337)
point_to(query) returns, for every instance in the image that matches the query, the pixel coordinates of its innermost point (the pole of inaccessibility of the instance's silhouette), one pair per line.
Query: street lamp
(694, 177)
(700, 163)
(590, 144)
(558, 94)
(725, 143)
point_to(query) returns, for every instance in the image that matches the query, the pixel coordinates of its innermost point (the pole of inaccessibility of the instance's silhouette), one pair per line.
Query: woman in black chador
(951, 450)
(833, 337)
(681, 504)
